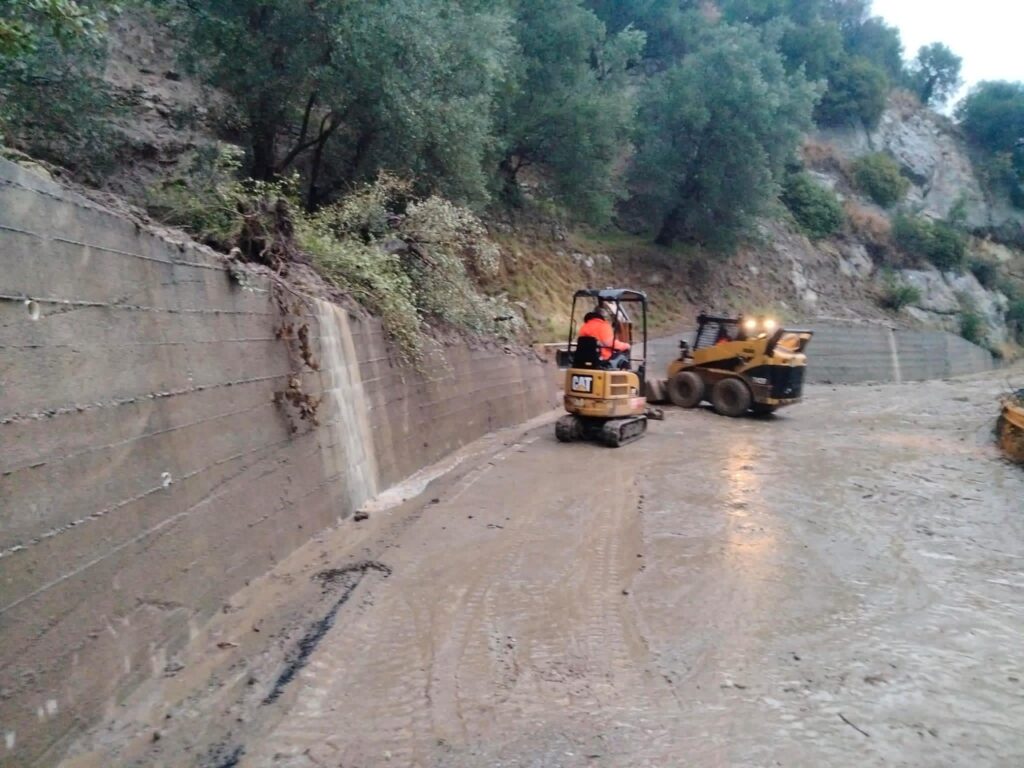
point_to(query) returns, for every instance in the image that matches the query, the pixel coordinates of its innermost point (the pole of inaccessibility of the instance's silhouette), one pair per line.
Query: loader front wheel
(731, 397)
(686, 389)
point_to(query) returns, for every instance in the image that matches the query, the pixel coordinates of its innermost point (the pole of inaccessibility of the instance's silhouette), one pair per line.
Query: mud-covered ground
(841, 585)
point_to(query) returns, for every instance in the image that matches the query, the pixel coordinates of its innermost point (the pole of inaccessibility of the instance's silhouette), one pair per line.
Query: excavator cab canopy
(619, 302)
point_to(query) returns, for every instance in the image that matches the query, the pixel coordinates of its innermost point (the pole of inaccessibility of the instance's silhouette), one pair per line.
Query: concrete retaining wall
(854, 353)
(145, 470)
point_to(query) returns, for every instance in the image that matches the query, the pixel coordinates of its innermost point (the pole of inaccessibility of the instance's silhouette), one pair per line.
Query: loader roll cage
(614, 299)
(712, 328)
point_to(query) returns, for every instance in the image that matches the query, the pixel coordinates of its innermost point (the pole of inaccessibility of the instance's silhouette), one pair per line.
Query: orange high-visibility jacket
(601, 330)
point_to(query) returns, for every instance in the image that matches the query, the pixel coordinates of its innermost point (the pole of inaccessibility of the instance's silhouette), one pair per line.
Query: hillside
(172, 131)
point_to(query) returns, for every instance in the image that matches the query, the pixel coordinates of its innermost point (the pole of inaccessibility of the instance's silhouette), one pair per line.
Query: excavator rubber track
(568, 429)
(618, 432)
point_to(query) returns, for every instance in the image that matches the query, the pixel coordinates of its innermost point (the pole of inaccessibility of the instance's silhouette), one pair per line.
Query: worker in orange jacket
(597, 325)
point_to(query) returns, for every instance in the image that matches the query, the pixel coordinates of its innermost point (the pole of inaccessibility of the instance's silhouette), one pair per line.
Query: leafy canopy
(569, 110)
(934, 75)
(25, 24)
(348, 88)
(714, 135)
(992, 116)
(54, 103)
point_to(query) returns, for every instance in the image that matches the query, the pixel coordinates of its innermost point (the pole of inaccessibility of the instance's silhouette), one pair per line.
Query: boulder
(990, 306)
(936, 295)
(854, 261)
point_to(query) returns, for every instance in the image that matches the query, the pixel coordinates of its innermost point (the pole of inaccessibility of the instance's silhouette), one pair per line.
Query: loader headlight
(750, 325)
(770, 325)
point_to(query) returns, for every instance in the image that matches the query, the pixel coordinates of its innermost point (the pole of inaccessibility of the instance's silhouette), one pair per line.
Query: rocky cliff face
(933, 156)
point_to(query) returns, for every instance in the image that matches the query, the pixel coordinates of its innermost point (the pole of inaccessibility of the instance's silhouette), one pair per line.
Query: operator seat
(587, 354)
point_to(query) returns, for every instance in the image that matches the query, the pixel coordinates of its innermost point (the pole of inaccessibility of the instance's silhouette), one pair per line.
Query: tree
(857, 91)
(992, 116)
(344, 88)
(714, 135)
(671, 26)
(877, 42)
(570, 112)
(54, 103)
(935, 74)
(817, 47)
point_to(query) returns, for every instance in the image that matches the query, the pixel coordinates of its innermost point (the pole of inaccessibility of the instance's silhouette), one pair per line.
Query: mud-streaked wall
(145, 470)
(855, 353)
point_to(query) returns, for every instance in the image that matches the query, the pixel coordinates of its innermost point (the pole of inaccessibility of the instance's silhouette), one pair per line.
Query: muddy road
(841, 585)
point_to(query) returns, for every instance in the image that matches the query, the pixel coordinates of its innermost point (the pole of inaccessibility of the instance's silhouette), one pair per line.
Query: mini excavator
(604, 392)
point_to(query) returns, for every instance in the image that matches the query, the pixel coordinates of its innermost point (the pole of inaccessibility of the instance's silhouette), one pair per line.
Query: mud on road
(841, 585)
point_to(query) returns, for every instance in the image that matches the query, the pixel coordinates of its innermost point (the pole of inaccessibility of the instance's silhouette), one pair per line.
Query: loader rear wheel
(731, 397)
(686, 389)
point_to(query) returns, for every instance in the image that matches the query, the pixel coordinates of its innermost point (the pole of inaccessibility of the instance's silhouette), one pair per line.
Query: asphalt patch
(346, 579)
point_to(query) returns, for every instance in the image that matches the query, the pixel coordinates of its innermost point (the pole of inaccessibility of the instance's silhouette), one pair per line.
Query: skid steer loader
(739, 364)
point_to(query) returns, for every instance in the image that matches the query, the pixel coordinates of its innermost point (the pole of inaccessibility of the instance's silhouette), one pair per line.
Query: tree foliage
(345, 88)
(569, 109)
(875, 41)
(26, 24)
(54, 103)
(992, 116)
(714, 134)
(934, 75)
(684, 111)
(857, 90)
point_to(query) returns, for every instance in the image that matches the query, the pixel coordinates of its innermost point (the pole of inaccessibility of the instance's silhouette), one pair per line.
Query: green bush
(815, 208)
(878, 176)
(1015, 317)
(986, 272)
(938, 242)
(429, 271)
(949, 247)
(408, 261)
(897, 294)
(971, 327)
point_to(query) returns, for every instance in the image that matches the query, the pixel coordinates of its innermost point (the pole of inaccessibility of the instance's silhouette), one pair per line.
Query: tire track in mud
(394, 677)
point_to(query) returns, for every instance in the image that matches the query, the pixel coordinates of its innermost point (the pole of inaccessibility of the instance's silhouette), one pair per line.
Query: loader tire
(731, 397)
(686, 389)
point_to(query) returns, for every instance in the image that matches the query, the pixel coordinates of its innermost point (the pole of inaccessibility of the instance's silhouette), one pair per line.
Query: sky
(986, 34)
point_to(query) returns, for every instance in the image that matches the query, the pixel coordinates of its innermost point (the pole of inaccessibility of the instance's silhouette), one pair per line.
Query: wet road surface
(841, 585)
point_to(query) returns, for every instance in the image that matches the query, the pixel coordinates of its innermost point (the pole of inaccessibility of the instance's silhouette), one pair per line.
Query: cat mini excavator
(604, 393)
(739, 364)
